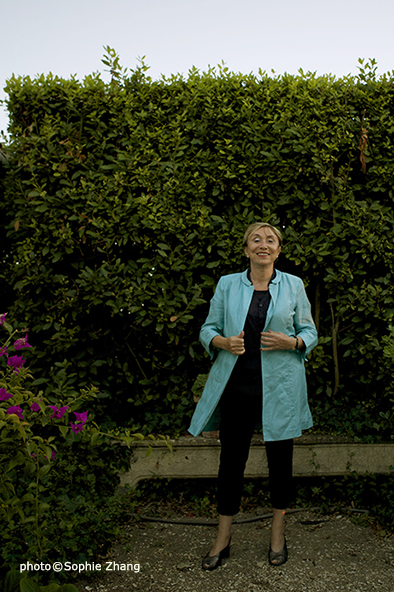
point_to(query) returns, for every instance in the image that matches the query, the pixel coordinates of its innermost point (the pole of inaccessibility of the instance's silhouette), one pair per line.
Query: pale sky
(66, 37)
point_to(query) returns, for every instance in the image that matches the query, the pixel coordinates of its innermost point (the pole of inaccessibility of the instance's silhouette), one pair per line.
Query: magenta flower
(17, 410)
(4, 396)
(2, 318)
(16, 362)
(52, 455)
(81, 416)
(34, 406)
(3, 351)
(22, 342)
(76, 428)
(58, 413)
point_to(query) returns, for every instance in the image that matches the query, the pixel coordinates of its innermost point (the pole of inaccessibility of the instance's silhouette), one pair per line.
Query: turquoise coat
(285, 405)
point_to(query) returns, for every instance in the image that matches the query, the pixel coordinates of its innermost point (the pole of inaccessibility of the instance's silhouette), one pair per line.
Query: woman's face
(263, 247)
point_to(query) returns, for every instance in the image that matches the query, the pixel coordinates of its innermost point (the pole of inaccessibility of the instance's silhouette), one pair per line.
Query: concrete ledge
(313, 456)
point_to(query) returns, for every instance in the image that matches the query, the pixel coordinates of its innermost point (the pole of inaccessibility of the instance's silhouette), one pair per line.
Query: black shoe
(209, 563)
(280, 557)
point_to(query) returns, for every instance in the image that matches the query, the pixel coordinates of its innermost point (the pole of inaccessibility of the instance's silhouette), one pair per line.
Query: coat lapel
(242, 304)
(274, 289)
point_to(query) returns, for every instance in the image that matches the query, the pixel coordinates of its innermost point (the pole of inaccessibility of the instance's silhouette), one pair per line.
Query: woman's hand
(235, 344)
(274, 340)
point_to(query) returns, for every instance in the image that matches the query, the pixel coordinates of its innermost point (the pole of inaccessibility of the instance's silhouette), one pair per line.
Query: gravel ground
(326, 554)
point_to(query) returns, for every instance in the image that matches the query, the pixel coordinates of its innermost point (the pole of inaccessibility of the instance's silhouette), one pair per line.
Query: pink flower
(52, 455)
(34, 406)
(58, 413)
(4, 396)
(22, 342)
(17, 410)
(76, 428)
(81, 419)
(2, 318)
(3, 351)
(16, 362)
(81, 416)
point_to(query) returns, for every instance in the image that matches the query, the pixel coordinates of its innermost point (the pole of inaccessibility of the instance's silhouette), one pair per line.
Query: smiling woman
(260, 321)
(262, 245)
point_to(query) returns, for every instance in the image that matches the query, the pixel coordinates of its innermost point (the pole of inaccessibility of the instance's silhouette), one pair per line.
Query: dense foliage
(58, 472)
(125, 202)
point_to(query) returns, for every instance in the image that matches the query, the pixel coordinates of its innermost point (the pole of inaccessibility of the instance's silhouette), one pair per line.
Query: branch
(335, 323)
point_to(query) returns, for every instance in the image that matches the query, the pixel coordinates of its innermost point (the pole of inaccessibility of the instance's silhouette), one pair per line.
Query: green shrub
(125, 202)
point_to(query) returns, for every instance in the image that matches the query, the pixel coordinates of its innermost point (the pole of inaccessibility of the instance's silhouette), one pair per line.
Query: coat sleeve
(303, 322)
(214, 322)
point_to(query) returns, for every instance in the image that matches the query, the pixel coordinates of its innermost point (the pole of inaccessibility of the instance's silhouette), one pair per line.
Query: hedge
(124, 202)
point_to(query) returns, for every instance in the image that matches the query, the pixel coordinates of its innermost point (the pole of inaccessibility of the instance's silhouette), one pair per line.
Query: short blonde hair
(255, 226)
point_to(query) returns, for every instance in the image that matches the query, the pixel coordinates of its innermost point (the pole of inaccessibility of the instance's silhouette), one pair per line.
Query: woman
(259, 330)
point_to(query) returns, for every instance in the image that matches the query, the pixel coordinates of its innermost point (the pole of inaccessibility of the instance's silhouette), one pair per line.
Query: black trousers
(240, 415)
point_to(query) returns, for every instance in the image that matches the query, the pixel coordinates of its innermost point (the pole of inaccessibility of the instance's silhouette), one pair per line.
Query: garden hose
(202, 522)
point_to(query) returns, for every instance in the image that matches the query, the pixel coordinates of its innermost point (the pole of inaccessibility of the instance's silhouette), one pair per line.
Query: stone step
(193, 458)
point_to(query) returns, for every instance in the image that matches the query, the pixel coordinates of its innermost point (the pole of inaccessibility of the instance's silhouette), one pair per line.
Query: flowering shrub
(50, 467)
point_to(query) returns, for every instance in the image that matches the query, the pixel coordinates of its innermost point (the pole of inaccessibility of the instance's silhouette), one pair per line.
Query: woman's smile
(263, 246)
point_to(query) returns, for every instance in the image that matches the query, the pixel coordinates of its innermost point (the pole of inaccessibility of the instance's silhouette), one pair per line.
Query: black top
(246, 376)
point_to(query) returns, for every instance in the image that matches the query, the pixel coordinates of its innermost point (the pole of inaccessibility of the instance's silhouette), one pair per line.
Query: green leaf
(39, 381)
(11, 581)
(50, 588)
(94, 438)
(44, 470)
(28, 585)
(28, 497)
